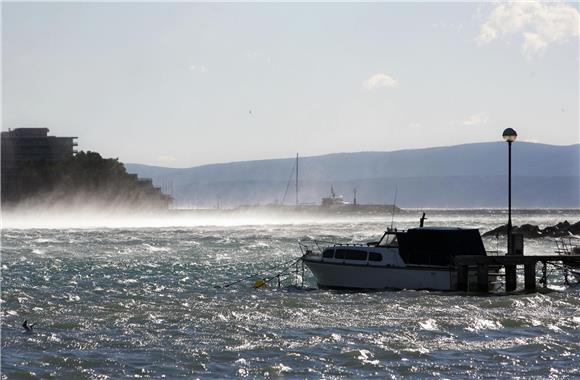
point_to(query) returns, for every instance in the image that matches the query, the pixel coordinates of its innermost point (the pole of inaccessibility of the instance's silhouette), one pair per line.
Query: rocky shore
(562, 229)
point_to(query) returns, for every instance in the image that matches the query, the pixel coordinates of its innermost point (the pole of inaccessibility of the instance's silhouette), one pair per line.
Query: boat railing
(349, 245)
(308, 251)
(564, 246)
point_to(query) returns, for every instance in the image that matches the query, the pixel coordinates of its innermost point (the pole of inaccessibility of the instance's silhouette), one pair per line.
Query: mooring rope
(266, 280)
(293, 261)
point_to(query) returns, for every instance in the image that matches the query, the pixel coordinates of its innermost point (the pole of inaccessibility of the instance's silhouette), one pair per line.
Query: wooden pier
(483, 264)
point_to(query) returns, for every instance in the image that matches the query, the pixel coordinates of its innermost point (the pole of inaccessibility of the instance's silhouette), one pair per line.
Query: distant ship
(333, 200)
(335, 204)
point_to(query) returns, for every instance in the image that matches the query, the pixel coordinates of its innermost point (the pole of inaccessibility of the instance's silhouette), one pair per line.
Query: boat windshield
(388, 240)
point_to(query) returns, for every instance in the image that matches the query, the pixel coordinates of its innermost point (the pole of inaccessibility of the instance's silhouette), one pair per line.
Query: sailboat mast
(296, 179)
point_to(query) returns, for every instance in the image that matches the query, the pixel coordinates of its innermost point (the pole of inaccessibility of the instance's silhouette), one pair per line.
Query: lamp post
(509, 135)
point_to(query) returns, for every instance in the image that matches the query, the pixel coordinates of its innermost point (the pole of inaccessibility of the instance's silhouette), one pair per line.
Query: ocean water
(149, 302)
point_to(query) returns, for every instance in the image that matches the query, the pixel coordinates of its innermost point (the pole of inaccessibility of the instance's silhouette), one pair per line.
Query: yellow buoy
(259, 284)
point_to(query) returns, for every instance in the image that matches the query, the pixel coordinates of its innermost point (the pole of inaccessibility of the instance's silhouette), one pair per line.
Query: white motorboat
(418, 258)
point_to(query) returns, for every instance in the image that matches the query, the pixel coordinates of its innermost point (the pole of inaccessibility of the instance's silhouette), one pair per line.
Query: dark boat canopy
(438, 246)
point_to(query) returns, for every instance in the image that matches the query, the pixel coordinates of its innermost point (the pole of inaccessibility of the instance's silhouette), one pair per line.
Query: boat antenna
(394, 205)
(422, 220)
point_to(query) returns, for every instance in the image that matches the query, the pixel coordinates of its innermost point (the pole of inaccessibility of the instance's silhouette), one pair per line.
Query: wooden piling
(530, 276)
(510, 278)
(462, 277)
(510, 263)
(483, 278)
(544, 274)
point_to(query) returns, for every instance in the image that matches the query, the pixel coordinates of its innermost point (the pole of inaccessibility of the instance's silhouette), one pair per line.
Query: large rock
(501, 230)
(559, 230)
(532, 231)
(575, 229)
(529, 230)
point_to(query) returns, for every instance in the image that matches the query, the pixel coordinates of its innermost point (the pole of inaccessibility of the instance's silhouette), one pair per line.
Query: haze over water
(138, 301)
(185, 84)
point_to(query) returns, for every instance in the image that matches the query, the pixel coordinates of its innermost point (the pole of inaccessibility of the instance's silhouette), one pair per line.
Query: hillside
(470, 175)
(79, 181)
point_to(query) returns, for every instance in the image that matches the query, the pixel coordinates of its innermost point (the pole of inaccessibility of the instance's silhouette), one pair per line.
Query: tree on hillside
(86, 175)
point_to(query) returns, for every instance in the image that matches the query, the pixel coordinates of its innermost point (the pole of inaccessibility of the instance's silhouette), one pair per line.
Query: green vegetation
(85, 176)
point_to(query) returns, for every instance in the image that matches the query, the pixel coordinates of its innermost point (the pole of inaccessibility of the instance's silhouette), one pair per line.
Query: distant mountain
(470, 175)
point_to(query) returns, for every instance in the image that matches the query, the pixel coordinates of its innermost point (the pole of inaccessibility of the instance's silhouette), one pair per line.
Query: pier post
(483, 277)
(462, 277)
(544, 274)
(510, 278)
(465, 265)
(530, 276)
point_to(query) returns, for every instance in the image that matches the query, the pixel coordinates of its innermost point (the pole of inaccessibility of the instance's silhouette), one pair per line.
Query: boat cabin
(424, 246)
(437, 245)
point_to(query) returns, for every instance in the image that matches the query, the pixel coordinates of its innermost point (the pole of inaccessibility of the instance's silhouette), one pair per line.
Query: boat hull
(367, 277)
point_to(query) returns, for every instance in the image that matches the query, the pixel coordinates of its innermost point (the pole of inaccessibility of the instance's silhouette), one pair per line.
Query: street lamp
(509, 135)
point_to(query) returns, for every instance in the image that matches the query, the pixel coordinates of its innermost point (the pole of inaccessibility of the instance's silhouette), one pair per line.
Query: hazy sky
(185, 84)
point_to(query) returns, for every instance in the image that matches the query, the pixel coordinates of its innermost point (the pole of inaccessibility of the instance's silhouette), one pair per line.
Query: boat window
(355, 255)
(339, 254)
(328, 253)
(351, 254)
(388, 240)
(374, 256)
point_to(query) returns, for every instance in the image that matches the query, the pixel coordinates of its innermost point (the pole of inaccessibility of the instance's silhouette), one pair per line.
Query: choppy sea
(138, 301)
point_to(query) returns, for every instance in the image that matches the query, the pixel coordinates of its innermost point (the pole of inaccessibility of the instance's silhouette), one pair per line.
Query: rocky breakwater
(563, 229)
